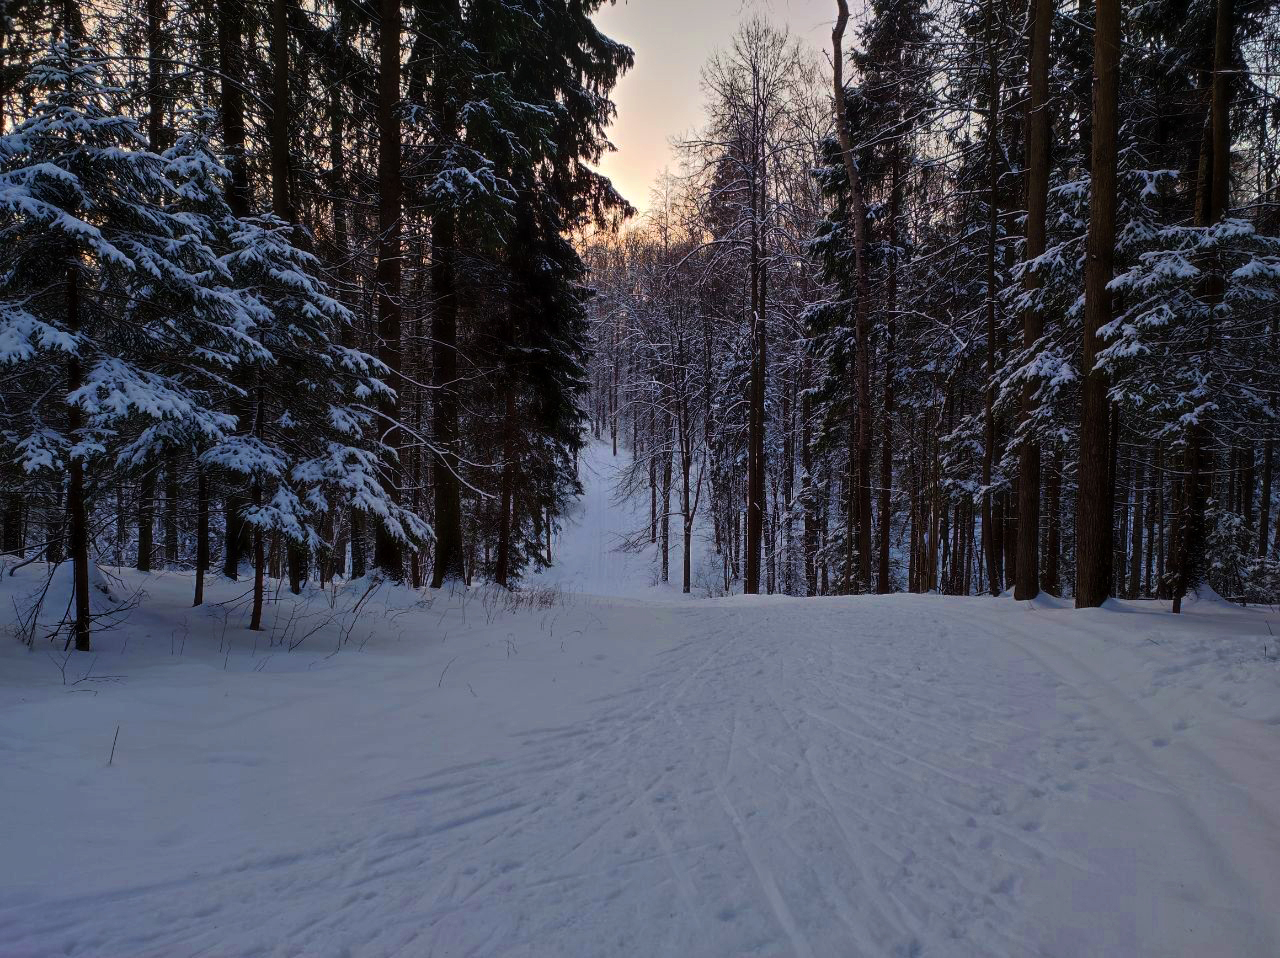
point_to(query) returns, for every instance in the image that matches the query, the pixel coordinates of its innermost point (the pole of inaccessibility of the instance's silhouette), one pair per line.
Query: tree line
(288, 287)
(1003, 318)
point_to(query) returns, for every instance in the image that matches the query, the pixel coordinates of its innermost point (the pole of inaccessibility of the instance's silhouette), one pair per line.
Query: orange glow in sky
(661, 97)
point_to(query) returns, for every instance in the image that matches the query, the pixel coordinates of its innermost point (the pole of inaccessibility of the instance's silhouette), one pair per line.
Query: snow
(594, 558)
(607, 768)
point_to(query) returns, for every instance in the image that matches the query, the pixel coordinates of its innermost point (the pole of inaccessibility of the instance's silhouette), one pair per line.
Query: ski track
(901, 776)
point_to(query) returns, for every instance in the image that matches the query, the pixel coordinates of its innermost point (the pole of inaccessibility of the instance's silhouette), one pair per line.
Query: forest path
(899, 775)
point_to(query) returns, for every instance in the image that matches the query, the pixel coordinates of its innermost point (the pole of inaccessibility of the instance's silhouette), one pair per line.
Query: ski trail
(645, 775)
(765, 876)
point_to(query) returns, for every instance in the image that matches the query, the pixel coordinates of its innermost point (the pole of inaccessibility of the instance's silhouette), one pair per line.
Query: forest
(413, 542)
(289, 289)
(1005, 320)
(300, 290)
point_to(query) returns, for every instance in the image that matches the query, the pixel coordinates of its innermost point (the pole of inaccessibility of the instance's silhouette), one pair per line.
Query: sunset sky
(661, 97)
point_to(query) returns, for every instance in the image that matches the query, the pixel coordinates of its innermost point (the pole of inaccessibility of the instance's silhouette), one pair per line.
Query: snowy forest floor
(607, 768)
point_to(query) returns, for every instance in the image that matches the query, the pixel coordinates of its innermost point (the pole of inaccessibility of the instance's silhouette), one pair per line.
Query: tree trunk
(1117, 481)
(449, 550)
(863, 480)
(809, 491)
(281, 200)
(1264, 506)
(156, 79)
(1093, 511)
(1038, 127)
(55, 524)
(1052, 549)
(342, 254)
(171, 497)
(1216, 170)
(156, 135)
(387, 552)
(502, 562)
(759, 364)
(992, 531)
(1154, 572)
(1248, 486)
(77, 511)
(259, 583)
(787, 584)
(862, 317)
(448, 499)
(13, 516)
(883, 582)
(686, 506)
(231, 69)
(664, 544)
(298, 555)
(239, 199)
(146, 519)
(202, 533)
(1135, 531)
(653, 498)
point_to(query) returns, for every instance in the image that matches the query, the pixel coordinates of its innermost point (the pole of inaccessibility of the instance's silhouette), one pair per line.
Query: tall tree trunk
(342, 254)
(232, 73)
(259, 581)
(449, 563)
(158, 143)
(664, 534)
(1116, 481)
(1052, 549)
(1155, 506)
(809, 491)
(449, 550)
(502, 562)
(788, 485)
(146, 519)
(388, 554)
(653, 492)
(1248, 486)
(172, 490)
(298, 555)
(72, 20)
(991, 528)
(1264, 505)
(862, 307)
(1038, 127)
(1093, 512)
(687, 515)
(883, 583)
(77, 510)
(1214, 185)
(55, 524)
(281, 199)
(688, 497)
(156, 78)
(862, 367)
(759, 358)
(1135, 530)
(202, 533)
(13, 515)
(1173, 532)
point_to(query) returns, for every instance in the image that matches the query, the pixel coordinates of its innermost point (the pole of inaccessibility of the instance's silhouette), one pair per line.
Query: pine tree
(137, 294)
(1094, 516)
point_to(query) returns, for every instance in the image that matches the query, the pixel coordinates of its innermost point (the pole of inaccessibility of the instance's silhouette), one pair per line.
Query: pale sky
(661, 97)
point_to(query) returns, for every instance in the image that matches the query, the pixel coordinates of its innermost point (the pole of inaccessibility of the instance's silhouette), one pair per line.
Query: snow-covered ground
(597, 555)
(647, 774)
